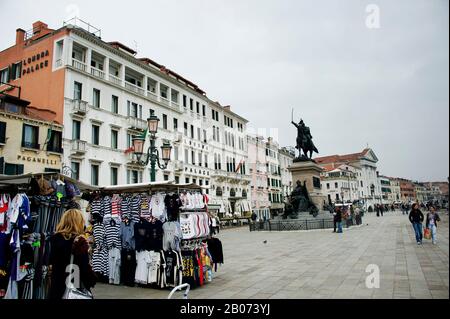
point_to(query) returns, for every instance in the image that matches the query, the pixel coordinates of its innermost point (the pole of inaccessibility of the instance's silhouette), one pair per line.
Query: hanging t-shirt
(154, 267)
(145, 208)
(135, 208)
(127, 235)
(187, 226)
(142, 235)
(158, 208)
(172, 269)
(172, 236)
(142, 267)
(115, 207)
(173, 204)
(155, 235)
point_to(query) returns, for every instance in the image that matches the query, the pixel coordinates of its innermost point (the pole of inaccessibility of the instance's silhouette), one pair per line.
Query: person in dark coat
(338, 219)
(416, 218)
(69, 240)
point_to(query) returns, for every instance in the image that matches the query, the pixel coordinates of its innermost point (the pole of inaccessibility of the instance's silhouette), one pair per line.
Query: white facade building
(340, 184)
(109, 94)
(369, 188)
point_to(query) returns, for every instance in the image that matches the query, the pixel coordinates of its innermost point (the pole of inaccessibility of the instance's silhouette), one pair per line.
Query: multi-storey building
(386, 189)
(103, 93)
(366, 161)
(274, 178)
(395, 190)
(286, 158)
(407, 190)
(30, 141)
(340, 184)
(258, 171)
(421, 192)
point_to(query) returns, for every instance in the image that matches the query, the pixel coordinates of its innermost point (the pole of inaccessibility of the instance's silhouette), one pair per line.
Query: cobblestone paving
(322, 264)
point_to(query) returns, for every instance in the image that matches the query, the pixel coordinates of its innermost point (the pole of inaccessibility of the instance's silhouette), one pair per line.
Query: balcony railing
(165, 101)
(134, 88)
(152, 96)
(136, 123)
(97, 73)
(79, 146)
(178, 165)
(79, 65)
(115, 80)
(79, 106)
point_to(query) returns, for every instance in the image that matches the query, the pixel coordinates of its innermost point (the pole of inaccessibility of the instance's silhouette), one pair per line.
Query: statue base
(309, 171)
(303, 158)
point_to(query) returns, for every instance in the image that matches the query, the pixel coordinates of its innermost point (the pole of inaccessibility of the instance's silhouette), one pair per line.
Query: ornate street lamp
(152, 156)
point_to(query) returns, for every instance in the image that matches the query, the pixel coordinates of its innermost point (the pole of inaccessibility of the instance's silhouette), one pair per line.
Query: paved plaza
(322, 264)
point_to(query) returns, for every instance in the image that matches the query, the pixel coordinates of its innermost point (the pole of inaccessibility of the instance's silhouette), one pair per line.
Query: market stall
(153, 234)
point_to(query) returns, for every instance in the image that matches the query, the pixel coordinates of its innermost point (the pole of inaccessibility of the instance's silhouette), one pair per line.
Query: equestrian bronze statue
(304, 142)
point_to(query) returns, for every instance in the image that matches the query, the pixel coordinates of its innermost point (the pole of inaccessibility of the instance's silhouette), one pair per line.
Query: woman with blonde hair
(67, 241)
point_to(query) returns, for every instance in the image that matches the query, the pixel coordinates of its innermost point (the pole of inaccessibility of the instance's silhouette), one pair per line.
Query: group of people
(340, 214)
(416, 218)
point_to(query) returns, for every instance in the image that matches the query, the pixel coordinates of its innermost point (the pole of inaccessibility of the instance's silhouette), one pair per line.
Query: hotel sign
(35, 63)
(35, 159)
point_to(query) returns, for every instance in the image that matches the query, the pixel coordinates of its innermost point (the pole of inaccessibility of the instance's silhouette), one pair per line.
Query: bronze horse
(304, 140)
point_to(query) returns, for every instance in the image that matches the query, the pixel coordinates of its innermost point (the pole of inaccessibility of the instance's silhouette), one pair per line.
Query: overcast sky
(353, 85)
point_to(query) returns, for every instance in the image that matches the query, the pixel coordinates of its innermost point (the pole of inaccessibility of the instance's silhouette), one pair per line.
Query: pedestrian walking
(381, 210)
(416, 219)
(431, 223)
(66, 242)
(377, 209)
(358, 216)
(338, 220)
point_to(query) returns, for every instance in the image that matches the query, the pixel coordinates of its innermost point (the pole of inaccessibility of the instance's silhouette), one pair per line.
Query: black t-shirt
(173, 204)
(156, 235)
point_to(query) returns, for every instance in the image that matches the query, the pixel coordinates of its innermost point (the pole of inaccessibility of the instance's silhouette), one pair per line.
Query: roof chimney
(20, 36)
(38, 27)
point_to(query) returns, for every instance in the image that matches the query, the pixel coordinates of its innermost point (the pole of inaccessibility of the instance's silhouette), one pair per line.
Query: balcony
(115, 80)
(134, 88)
(178, 166)
(135, 123)
(98, 73)
(78, 147)
(79, 107)
(152, 96)
(165, 101)
(177, 137)
(79, 65)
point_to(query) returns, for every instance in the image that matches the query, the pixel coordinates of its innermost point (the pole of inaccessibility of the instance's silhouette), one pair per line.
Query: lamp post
(152, 151)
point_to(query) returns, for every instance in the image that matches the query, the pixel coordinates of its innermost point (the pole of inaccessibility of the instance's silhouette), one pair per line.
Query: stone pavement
(322, 264)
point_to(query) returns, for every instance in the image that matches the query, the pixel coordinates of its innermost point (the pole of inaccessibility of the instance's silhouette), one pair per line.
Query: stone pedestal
(310, 172)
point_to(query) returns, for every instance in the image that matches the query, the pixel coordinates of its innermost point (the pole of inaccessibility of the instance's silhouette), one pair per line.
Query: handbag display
(76, 293)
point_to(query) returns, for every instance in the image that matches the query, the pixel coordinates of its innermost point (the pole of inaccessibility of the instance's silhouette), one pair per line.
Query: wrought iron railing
(306, 224)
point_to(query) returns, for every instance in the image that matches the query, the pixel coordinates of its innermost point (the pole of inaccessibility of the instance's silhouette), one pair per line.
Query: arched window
(219, 191)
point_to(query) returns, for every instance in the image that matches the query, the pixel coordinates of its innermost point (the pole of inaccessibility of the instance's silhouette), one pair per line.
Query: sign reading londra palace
(36, 159)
